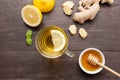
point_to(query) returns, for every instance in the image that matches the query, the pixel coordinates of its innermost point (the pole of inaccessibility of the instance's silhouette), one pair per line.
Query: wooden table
(21, 62)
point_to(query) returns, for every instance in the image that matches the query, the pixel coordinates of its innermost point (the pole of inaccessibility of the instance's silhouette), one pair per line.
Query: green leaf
(29, 33)
(29, 41)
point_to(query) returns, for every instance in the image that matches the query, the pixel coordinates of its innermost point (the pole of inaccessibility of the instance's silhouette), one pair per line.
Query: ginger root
(86, 14)
(88, 9)
(67, 7)
(107, 1)
(87, 2)
(90, 2)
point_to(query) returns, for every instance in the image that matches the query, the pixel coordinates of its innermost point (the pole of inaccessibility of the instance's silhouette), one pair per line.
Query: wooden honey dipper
(95, 61)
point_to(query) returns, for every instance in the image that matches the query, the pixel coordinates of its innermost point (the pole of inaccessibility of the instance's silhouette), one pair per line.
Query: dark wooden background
(21, 62)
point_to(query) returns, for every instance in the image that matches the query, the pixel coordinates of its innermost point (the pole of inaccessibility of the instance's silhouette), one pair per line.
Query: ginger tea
(51, 41)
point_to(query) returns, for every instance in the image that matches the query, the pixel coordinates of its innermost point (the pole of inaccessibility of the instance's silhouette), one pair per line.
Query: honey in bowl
(85, 65)
(85, 62)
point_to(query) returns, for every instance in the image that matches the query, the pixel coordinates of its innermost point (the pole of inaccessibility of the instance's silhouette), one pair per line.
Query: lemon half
(44, 5)
(58, 40)
(31, 15)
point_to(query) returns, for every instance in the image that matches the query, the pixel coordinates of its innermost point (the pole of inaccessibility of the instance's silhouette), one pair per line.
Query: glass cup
(52, 42)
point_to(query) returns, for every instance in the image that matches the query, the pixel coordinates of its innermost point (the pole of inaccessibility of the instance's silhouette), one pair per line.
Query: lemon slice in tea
(58, 40)
(31, 15)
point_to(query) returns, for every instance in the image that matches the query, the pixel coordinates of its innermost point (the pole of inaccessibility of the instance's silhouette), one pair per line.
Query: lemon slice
(58, 40)
(31, 15)
(44, 5)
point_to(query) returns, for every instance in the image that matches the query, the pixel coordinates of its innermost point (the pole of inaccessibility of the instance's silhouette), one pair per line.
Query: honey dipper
(95, 61)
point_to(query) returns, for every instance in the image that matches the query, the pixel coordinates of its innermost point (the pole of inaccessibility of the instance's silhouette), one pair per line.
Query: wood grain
(20, 62)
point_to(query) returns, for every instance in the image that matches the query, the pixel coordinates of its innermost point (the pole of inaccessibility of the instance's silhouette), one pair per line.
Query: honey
(86, 64)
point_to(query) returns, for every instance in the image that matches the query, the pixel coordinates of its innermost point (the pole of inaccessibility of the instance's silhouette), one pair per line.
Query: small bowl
(88, 71)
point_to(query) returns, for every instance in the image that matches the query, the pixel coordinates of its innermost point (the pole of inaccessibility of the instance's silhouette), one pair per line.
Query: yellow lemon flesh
(31, 15)
(44, 5)
(58, 40)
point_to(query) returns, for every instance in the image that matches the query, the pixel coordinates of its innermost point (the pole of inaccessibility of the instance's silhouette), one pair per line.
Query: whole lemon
(44, 5)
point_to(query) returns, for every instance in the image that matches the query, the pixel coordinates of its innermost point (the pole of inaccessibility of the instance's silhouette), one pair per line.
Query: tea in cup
(52, 42)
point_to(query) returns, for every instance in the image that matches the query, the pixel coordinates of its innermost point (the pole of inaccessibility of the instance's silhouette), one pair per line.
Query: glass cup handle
(69, 53)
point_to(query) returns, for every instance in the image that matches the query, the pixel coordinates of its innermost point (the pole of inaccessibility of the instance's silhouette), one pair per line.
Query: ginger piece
(67, 7)
(90, 13)
(69, 4)
(107, 1)
(67, 10)
(90, 2)
(83, 33)
(73, 29)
